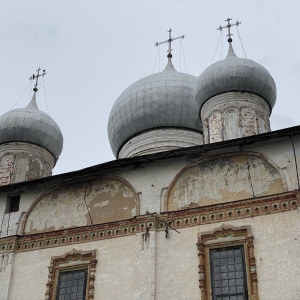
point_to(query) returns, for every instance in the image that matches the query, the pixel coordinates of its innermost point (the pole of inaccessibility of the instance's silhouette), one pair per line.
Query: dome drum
(158, 140)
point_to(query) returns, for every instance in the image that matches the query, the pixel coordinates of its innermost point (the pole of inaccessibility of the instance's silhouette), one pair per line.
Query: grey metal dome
(31, 125)
(160, 100)
(235, 74)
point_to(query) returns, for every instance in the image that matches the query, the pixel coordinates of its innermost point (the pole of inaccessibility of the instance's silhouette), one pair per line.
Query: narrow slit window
(13, 203)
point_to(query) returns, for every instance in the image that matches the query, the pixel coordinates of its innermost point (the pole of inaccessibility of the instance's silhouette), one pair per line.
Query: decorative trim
(74, 259)
(188, 217)
(226, 236)
(229, 154)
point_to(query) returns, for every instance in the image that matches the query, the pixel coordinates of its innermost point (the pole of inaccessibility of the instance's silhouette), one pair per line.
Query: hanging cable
(155, 60)
(21, 95)
(241, 41)
(216, 48)
(43, 80)
(180, 55)
(222, 44)
(184, 59)
(158, 58)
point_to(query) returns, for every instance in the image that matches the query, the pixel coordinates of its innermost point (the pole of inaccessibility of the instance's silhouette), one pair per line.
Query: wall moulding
(179, 219)
(72, 260)
(226, 236)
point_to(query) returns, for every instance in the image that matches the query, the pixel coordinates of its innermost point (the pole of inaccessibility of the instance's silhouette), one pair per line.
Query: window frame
(225, 237)
(70, 261)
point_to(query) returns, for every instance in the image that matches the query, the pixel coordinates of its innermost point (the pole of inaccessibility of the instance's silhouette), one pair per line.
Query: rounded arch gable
(82, 203)
(225, 178)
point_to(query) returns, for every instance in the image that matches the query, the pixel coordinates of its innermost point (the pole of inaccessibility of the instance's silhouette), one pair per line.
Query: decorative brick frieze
(178, 219)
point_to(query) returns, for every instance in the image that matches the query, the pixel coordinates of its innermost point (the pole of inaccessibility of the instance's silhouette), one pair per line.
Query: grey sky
(93, 50)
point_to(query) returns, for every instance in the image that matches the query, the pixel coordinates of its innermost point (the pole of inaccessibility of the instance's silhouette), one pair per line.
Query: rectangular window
(228, 273)
(71, 285)
(13, 203)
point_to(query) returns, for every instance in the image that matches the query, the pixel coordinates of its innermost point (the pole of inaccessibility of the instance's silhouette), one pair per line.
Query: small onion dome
(234, 74)
(161, 100)
(31, 125)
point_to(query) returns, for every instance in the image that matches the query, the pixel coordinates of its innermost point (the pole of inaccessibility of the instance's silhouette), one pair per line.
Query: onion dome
(31, 125)
(234, 74)
(161, 100)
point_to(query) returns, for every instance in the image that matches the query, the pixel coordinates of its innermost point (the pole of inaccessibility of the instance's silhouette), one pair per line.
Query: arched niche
(82, 203)
(222, 179)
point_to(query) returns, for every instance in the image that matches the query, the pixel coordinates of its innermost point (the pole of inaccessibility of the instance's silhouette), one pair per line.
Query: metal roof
(31, 125)
(164, 99)
(235, 74)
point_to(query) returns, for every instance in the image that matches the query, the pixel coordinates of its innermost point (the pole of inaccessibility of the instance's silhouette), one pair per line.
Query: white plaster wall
(277, 244)
(164, 269)
(125, 269)
(11, 222)
(151, 181)
(6, 261)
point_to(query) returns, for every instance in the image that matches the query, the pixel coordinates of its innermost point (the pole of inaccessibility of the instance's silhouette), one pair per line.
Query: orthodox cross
(170, 40)
(36, 78)
(228, 26)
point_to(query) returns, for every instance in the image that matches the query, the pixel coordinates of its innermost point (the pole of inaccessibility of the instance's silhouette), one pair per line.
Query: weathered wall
(223, 179)
(23, 162)
(234, 115)
(128, 268)
(83, 203)
(276, 242)
(6, 261)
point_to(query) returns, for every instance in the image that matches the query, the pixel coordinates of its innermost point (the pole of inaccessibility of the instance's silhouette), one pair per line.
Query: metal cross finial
(36, 78)
(170, 40)
(228, 26)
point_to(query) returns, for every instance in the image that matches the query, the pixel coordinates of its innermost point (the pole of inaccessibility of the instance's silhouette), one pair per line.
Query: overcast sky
(93, 50)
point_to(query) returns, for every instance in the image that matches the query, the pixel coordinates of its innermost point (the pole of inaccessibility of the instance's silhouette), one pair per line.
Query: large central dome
(161, 100)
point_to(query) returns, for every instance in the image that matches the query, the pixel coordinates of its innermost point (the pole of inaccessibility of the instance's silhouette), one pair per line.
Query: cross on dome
(36, 78)
(170, 40)
(228, 26)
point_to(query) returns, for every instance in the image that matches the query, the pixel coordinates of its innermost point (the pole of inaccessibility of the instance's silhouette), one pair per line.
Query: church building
(201, 203)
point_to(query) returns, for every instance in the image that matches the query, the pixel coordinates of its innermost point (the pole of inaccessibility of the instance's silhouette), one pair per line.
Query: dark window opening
(228, 273)
(71, 285)
(13, 203)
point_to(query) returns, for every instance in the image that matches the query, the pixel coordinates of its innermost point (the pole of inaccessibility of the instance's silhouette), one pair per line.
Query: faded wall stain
(80, 204)
(224, 179)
